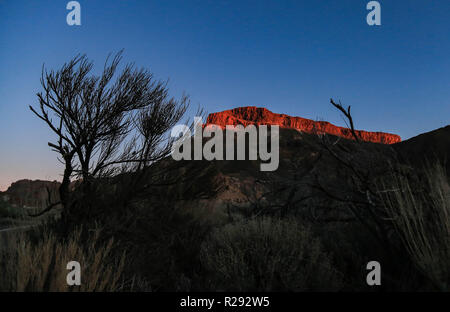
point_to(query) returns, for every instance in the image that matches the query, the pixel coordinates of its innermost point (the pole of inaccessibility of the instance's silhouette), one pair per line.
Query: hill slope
(426, 147)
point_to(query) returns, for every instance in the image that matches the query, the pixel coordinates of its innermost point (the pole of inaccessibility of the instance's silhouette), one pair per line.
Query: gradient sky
(289, 56)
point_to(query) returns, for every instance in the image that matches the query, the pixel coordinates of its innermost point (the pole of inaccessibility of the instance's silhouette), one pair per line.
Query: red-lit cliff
(261, 116)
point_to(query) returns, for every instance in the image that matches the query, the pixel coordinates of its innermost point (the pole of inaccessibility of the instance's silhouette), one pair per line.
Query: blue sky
(288, 56)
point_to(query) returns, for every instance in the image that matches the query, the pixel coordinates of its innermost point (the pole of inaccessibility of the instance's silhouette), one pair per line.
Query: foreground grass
(40, 264)
(171, 249)
(421, 218)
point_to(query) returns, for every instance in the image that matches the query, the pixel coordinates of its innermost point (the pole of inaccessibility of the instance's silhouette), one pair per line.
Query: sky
(288, 56)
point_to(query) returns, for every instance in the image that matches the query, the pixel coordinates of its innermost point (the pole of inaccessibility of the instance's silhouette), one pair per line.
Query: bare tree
(347, 115)
(360, 194)
(105, 124)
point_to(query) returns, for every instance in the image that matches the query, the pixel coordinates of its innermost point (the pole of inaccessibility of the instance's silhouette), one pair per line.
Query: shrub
(267, 255)
(164, 244)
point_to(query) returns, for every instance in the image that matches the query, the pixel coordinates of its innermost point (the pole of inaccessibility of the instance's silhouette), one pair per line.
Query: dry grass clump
(421, 217)
(41, 266)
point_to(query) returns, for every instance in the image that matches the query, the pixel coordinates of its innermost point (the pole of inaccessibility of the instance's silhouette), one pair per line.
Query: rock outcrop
(261, 116)
(30, 193)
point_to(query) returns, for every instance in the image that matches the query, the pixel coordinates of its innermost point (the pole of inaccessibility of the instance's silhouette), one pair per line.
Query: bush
(267, 255)
(164, 244)
(41, 266)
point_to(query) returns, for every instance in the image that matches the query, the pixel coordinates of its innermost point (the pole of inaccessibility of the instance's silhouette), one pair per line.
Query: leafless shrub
(105, 125)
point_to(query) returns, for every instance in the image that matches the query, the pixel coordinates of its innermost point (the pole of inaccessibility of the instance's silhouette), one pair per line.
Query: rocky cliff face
(30, 193)
(261, 116)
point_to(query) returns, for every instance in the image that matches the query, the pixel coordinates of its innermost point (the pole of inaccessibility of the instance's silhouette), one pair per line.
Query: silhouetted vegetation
(39, 263)
(125, 214)
(105, 125)
(267, 254)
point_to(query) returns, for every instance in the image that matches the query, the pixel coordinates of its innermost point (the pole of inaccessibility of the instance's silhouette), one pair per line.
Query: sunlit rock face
(251, 115)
